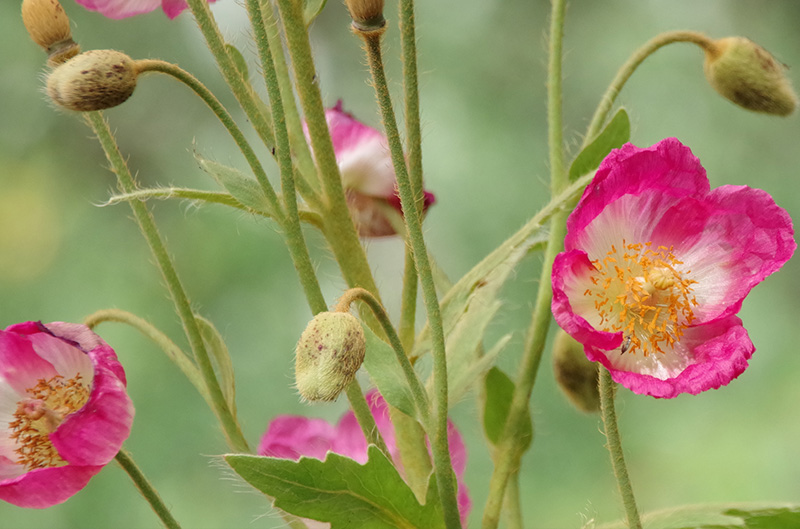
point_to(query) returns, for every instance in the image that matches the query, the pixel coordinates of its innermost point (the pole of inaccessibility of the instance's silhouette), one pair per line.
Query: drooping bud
(577, 377)
(367, 15)
(94, 80)
(747, 74)
(48, 26)
(328, 355)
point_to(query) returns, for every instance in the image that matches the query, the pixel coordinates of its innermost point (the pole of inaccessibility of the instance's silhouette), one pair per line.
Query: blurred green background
(483, 88)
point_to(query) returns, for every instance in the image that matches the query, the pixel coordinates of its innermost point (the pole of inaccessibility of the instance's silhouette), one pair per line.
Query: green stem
(146, 489)
(358, 402)
(153, 65)
(339, 229)
(420, 396)
(441, 452)
(614, 444)
(408, 304)
(255, 111)
(291, 222)
(509, 449)
(513, 508)
(148, 228)
(627, 69)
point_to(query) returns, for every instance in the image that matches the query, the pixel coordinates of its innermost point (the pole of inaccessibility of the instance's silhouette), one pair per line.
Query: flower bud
(94, 80)
(48, 26)
(747, 74)
(577, 377)
(328, 355)
(367, 15)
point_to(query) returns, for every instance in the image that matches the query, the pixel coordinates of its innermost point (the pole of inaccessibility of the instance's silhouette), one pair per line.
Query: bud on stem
(48, 26)
(577, 377)
(95, 80)
(367, 15)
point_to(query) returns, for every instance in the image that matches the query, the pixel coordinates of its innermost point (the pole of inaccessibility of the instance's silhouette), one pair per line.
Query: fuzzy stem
(627, 69)
(146, 489)
(257, 113)
(148, 228)
(420, 397)
(441, 452)
(360, 406)
(408, 307)
(614, 444)
(154, 65)
(339, 229)
(513, 508)
(509, 449)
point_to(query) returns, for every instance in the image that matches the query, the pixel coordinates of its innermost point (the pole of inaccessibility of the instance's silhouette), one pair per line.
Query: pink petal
(20, 367)
(290, 437)
(719, 352)
(118, 9)
(46, 487)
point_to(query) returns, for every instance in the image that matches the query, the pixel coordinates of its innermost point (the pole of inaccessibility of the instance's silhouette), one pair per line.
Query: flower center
(50, 402)
(638, 290)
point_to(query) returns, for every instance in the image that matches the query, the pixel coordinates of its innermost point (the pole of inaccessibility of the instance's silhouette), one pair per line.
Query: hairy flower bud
(747, 74)
(328, 355)
(576, 375)
(367, 15)
(94, 80)
(48, 26)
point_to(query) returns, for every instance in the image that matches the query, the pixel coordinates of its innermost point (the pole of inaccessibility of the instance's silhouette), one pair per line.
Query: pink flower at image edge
(64, 407)
(290, 437)
(365, 163)
(118, 9)
(656, 266)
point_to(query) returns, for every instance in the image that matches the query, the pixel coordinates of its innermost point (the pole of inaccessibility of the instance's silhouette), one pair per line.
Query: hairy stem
(146, 489)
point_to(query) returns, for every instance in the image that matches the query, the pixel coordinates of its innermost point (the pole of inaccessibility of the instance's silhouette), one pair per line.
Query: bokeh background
(483, 87)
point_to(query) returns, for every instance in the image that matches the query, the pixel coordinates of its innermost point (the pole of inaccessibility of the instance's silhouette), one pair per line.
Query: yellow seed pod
(747, 74)
(577, 377)
(328, 355)
(367, 15)
(48, 26)
(94, 80)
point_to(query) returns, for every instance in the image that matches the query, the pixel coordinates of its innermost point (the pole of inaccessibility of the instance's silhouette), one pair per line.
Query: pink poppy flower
(290, 437)
(127, 8)
(656, 266)
(365, 164)
(64, 410)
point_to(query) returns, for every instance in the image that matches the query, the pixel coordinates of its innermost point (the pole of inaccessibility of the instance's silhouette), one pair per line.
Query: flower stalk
(146, 489)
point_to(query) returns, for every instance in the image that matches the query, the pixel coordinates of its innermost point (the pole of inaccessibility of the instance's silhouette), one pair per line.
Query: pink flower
(290, 437)
(656, 266)
(365, 163)
(64, 410)
(128, 8)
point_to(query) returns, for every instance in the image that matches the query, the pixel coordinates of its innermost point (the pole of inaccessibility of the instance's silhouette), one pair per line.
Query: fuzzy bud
(328, 355)
(747, 74)
(94, 80)
(577, 377)
(48, 26)
(367, 15)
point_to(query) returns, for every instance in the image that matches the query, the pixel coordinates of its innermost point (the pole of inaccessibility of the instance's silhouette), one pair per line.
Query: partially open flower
(365, 163)
(64, 411)
(291, 437)
(656, 266)
(127, 8)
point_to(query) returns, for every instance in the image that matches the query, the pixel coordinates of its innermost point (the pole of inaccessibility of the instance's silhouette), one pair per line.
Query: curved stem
(256, 111)
(614, 444)
(441, 452)
(627, 69)
(152, 65)
(420, 396)
(148, 228)
(146, 489)
(509, 449)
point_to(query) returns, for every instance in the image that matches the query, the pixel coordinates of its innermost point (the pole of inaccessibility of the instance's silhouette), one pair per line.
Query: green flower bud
(94, 80)
(328, 355)
(747, 74)
(577, 377)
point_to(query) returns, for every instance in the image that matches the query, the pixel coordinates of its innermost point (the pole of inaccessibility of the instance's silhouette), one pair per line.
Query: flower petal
(46, 487)
(20, 367)
(118, 9)
(290, 437)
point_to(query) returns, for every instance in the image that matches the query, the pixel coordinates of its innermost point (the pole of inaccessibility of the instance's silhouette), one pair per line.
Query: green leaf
(311, 9)
(384, 369)
(243, 188)
(459, 381)
(340, 491)
(719, 516)
(616, 133)
(220, 358)
(238, 60)
(499, 392)
(181, 193)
